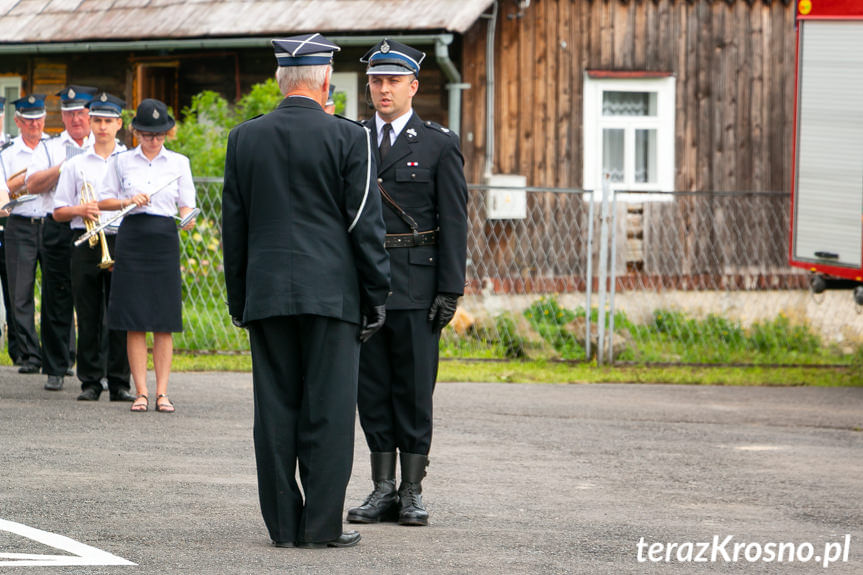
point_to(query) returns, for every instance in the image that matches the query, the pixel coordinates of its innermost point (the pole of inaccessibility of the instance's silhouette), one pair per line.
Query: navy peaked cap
(106, 105)
(392, 58)
(74, 97)
(304, 50)
(31, 107)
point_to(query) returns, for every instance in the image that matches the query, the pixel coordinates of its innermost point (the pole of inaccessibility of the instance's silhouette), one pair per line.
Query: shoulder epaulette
(250, 119)
(360, 124)
(6, 145)
(438, 127)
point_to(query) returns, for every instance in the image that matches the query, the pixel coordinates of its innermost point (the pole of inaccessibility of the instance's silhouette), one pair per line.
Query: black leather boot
(411, 510)
(383, 502)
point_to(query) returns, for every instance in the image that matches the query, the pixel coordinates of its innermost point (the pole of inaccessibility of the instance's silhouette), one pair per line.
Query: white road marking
(81, 554)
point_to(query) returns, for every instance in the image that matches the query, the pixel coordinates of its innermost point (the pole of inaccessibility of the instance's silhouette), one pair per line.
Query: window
(10, 88)
(629, 131)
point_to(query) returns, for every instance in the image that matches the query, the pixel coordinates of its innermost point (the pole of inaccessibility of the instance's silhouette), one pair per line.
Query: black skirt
(146, 291)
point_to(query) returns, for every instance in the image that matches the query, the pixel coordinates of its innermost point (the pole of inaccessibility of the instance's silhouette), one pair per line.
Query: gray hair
(291, 78)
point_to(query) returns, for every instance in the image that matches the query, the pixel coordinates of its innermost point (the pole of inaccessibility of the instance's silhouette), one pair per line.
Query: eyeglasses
(152, 135)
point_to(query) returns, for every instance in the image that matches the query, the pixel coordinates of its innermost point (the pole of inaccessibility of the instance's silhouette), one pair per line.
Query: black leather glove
(238, 322)
(373, 320)
(442, 309)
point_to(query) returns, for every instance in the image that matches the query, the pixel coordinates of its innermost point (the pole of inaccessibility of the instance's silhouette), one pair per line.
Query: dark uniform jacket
(424, 174)
(301, 217)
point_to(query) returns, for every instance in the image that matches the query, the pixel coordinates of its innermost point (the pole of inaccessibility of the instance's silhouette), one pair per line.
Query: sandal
(140, 407)
(166, 406)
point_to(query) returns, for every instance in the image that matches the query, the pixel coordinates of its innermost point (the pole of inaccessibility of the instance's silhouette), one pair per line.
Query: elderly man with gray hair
(308, 275)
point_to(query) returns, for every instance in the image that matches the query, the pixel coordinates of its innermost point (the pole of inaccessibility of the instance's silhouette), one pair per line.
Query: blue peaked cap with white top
(304, 50)
(392, 58)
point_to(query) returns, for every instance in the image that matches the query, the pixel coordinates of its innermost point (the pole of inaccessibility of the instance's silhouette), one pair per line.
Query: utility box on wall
(509, 201)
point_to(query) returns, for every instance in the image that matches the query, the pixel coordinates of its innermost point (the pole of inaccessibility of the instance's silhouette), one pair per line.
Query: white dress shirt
(89, 167)
(14, 159)
(57, 150)
(398, 125)
(131, 173)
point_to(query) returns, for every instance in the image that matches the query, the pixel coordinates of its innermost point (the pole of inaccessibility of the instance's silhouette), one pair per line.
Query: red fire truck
(827, 183)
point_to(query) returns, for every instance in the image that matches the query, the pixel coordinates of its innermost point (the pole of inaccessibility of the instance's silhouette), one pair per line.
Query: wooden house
(664, 95)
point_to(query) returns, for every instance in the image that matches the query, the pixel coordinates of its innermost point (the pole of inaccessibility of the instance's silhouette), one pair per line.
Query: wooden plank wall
(733, 60)
(734, 66)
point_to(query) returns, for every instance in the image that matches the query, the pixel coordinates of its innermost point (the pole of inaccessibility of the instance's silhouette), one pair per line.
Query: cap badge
(70, 93)
(104, 97)
(31, 100)
(385, 48)
(155, 114)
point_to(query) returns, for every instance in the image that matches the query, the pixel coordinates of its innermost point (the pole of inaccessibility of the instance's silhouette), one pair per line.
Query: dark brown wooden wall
(733, 60)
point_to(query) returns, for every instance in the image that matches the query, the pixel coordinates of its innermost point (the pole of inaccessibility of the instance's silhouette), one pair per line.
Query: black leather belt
(30, 219)
(428, 238)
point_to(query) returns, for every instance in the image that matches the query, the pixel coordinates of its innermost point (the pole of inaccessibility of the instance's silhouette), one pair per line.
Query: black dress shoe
(54, 383)
(283, 544)
(122, 395)
(346, 539)
(29, 368)
(90, 394)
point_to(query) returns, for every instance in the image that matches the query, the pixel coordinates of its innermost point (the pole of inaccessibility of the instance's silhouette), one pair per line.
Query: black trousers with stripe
(304, 370)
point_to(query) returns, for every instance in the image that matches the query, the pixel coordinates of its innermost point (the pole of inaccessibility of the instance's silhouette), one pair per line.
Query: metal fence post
(589, 275)
(613, 276)
(603, 272)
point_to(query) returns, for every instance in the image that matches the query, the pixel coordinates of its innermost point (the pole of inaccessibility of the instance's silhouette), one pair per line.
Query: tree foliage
(202, 135)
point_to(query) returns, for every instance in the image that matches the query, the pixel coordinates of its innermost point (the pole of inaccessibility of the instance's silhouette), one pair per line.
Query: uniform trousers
(24, 249)
(91, 287)
(304, 370)
(11, 340)
(57, 302)
(398, 369)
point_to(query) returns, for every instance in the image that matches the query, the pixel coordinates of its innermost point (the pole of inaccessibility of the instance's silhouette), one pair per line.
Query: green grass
(564, 372)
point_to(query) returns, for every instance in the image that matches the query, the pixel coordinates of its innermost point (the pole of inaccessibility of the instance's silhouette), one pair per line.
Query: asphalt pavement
(524, 479)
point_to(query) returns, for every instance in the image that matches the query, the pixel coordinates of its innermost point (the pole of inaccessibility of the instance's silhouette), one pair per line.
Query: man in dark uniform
(307, 273)
(420, 171)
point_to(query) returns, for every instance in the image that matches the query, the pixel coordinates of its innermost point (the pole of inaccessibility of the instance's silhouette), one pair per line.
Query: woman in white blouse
(146, 295)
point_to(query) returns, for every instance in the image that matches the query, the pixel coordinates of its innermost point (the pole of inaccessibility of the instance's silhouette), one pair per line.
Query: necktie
(385, 140)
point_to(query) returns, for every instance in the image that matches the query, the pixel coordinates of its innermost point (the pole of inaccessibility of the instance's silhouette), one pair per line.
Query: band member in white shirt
(146, 294)
(76, 201)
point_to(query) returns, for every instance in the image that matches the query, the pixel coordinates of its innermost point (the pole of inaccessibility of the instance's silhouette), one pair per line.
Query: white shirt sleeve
(186, 185)
(68, 184)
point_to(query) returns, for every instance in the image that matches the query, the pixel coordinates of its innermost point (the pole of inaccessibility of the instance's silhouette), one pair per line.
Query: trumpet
(19, 191)
(88, 195)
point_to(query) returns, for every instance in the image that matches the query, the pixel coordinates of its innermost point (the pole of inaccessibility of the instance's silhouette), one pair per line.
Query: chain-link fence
(696, 277)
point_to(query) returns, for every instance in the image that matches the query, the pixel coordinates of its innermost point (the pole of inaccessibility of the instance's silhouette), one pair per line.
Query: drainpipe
(455, 85)
(489, 91)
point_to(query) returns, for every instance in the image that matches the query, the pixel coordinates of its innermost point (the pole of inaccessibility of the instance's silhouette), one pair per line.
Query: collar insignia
(411, 132)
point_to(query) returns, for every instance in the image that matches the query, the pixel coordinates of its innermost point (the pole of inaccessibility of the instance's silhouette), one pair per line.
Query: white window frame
(594, 124)
(7, 82)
